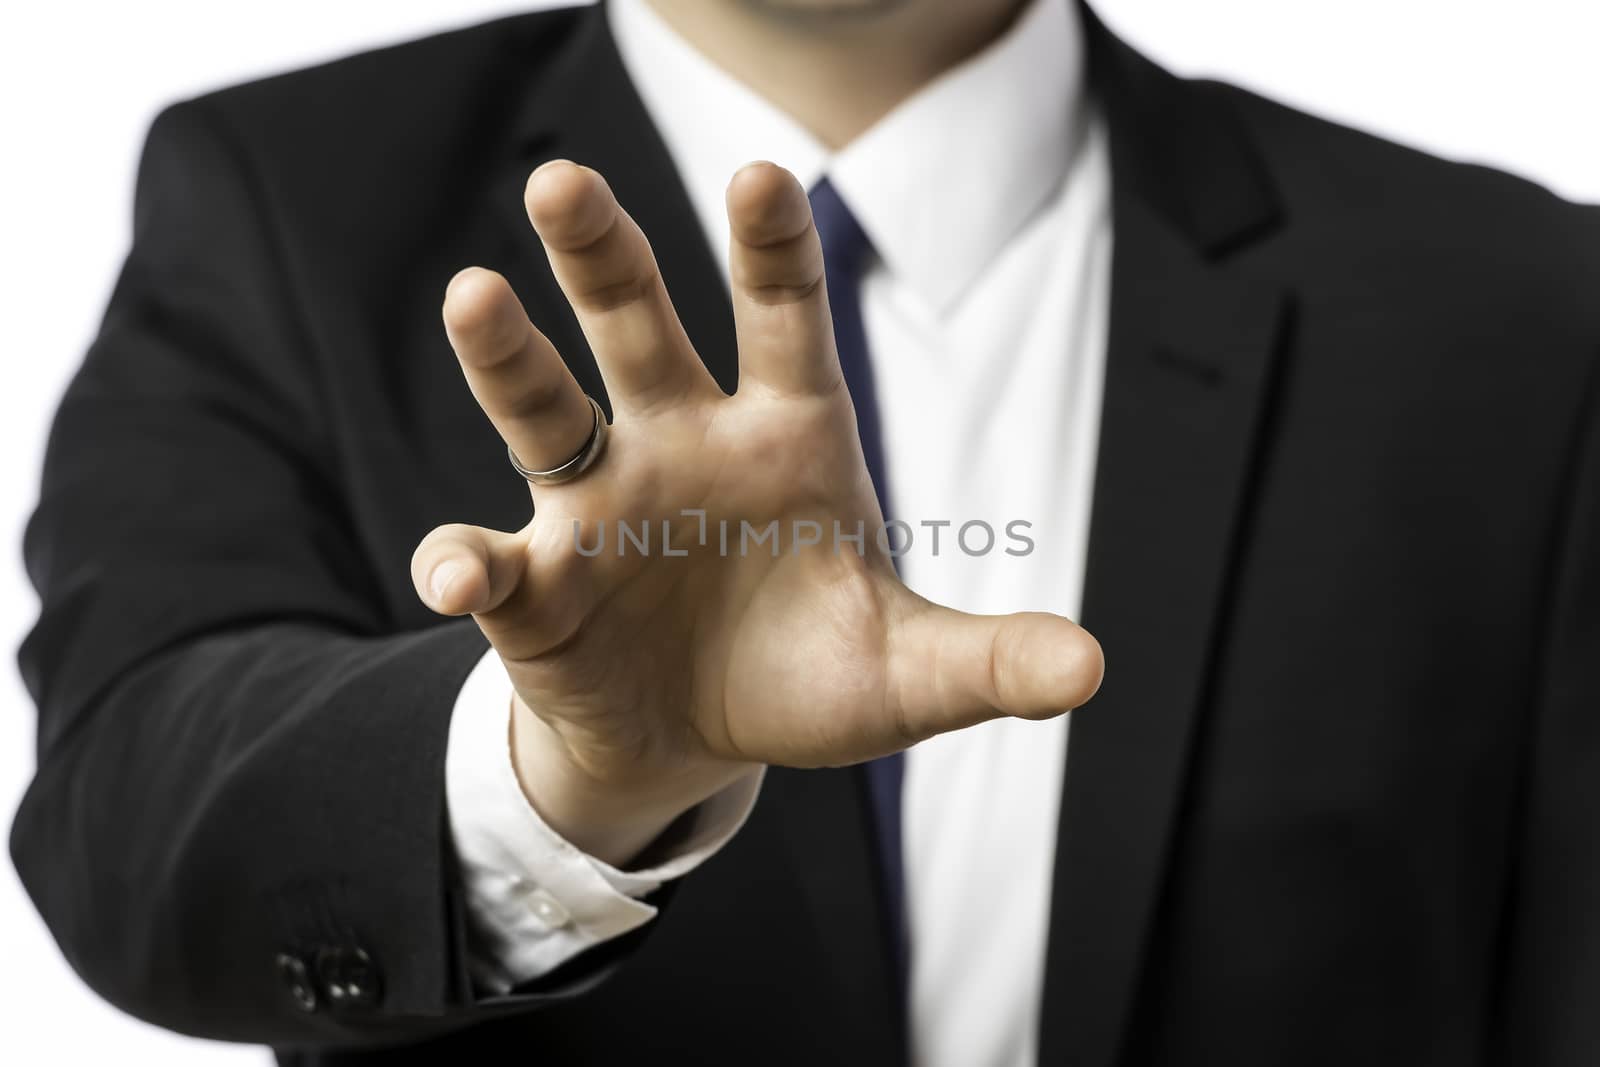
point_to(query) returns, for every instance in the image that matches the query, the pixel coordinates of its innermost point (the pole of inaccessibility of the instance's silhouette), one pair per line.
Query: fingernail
(443, 576)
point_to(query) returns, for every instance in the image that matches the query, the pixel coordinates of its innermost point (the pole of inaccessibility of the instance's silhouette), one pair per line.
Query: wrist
(613, 816)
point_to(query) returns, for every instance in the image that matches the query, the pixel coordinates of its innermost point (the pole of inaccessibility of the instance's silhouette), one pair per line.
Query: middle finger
(604, 265)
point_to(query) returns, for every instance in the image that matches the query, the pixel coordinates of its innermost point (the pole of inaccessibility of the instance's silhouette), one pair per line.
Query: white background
(1509, 83)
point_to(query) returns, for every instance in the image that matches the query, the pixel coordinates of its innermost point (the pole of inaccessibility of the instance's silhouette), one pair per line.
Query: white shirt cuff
(534, 899)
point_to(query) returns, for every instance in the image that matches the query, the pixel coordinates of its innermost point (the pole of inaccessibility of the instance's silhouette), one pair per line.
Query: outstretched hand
(649, 675)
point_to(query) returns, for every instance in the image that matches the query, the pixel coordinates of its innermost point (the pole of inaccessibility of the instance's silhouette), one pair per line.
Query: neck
(837, 67)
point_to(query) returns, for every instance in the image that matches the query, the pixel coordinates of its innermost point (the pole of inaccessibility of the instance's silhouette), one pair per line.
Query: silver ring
(577, 464)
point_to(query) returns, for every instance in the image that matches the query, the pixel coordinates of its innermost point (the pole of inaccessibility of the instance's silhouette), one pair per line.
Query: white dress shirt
(987, 199)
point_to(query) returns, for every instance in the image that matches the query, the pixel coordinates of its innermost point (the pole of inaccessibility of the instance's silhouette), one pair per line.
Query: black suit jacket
(1338, 801)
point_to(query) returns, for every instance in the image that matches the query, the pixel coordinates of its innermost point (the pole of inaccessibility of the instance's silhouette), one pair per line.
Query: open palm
(662, 617)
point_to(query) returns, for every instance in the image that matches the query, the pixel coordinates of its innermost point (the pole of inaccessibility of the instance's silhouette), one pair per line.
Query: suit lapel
(1188, 382)
(587, 110)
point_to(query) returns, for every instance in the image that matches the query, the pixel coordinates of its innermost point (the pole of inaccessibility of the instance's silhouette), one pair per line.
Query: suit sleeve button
(296, 978)
(349, 977)
(361, 980)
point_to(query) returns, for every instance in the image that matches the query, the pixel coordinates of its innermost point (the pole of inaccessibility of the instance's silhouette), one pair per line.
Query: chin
(825, 7)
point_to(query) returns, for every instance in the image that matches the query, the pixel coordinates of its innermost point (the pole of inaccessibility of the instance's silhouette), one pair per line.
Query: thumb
(460, 569)
(949, 670)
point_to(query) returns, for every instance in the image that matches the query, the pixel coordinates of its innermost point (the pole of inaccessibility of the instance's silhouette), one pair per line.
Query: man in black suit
(1337, 800)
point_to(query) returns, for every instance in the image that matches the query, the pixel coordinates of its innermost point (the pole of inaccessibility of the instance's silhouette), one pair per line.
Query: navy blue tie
(845, 253)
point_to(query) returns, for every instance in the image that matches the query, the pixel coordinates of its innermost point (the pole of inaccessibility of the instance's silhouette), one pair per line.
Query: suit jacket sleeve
(238, 806)
(1551, 1013)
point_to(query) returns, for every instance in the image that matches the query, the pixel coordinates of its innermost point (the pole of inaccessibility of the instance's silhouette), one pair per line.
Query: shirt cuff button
(296, 979)
(548, 910)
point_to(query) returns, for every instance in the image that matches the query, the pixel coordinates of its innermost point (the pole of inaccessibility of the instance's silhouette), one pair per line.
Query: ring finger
(514, 371)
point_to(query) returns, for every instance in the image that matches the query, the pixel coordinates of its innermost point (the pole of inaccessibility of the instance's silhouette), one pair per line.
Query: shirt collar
(939, 184)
